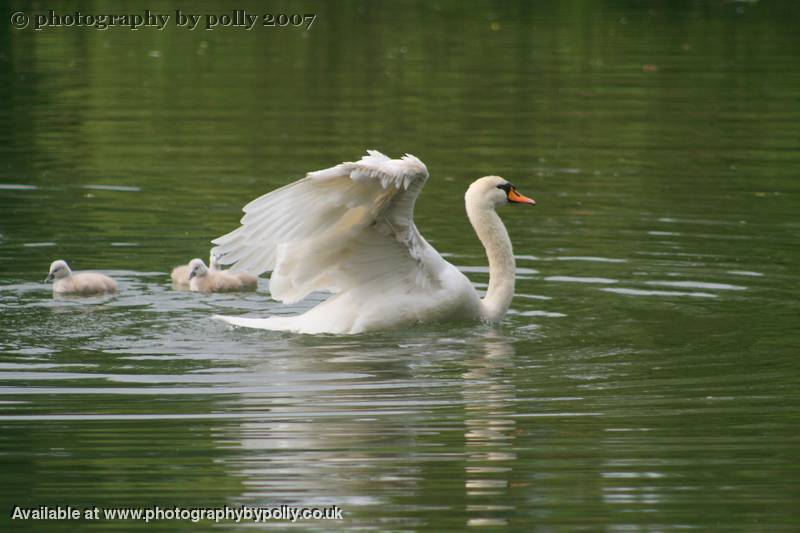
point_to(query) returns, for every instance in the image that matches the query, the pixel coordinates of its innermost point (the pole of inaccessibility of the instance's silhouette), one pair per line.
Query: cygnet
(203, 279)
(249, 281)
(78, 283)
(180, 276)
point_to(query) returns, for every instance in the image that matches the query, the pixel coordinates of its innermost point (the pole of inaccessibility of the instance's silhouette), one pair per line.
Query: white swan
(349, 229)
(78, 283)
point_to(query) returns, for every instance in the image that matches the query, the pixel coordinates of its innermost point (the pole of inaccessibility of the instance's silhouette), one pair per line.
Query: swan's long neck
(494, 237)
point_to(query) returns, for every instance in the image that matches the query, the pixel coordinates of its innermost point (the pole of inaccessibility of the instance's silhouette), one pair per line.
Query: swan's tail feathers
(274, 323)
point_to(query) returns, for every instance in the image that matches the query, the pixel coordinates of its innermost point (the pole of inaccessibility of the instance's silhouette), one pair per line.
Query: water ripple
(578, 279)
(641, 292)
(698, 285)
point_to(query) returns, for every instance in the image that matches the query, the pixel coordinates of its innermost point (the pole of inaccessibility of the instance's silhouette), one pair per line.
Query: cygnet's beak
(191, 274)
(517, 198)
(49, 278)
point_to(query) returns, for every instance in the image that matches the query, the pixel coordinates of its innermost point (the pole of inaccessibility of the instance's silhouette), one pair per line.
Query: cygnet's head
(197, 268)
(494, 191)
(213, 261)
(58, 269)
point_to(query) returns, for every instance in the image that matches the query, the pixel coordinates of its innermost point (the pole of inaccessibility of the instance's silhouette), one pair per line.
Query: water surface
(645, 378)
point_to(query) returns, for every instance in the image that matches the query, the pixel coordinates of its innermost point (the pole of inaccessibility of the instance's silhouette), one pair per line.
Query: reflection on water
(644, 379)
(489, 436)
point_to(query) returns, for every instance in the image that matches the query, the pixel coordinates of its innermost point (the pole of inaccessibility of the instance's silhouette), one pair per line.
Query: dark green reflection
(645, 378)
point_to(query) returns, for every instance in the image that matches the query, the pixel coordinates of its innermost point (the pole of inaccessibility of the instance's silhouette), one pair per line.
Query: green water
(645, 379)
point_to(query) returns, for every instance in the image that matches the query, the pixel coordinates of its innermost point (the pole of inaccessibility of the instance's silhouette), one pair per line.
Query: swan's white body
(349, 230)
(65, 281)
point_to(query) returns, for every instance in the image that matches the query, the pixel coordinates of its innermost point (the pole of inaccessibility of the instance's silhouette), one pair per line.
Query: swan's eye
(506, 187)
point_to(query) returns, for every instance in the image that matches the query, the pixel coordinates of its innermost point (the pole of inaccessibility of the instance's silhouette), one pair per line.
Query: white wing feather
(349, 226)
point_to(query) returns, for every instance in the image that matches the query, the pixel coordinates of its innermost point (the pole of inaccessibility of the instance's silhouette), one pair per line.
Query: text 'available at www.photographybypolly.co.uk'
(148, 19)
(192, 514)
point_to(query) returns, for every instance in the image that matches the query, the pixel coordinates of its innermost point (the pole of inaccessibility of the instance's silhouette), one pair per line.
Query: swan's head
(197, 268)
(494, 191)
(58, 269)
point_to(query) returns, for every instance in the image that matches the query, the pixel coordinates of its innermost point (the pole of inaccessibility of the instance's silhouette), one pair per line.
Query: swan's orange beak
(517, 198)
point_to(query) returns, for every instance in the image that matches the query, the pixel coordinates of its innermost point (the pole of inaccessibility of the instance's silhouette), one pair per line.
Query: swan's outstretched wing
(336, 229)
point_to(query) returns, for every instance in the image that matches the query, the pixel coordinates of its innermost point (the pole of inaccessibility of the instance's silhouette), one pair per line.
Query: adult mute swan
(78, 283)
(350, 230)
